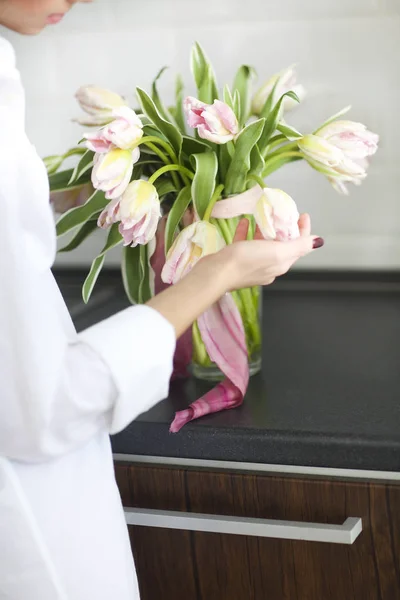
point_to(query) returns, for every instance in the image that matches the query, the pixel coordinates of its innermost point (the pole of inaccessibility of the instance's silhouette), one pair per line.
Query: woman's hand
(259, 262)
(242, 264)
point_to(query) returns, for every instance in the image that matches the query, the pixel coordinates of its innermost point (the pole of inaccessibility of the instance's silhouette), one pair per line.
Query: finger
(241, 230)
(299, 247)
(305, 224)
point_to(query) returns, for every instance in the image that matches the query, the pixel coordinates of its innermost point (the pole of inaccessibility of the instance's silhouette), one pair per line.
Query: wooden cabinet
(186, 565)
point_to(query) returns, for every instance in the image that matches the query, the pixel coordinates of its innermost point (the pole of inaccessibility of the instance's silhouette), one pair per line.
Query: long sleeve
(57, 388)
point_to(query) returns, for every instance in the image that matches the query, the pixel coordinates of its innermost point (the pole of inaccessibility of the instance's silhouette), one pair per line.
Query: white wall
(347, 51)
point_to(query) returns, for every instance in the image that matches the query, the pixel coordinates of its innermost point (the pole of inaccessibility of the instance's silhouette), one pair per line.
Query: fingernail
(318, 243)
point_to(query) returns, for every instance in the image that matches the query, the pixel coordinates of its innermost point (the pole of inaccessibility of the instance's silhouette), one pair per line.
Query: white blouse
(62, 530)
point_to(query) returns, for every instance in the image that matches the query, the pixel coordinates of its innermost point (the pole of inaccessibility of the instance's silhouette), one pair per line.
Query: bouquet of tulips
(171, 183)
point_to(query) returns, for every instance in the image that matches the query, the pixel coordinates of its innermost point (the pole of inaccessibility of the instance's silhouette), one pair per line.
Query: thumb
(302, 246)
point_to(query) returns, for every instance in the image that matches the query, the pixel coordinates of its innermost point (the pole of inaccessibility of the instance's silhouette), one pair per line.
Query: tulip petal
(277, 216)
(227, 116)
(178, 254)
(109, 215)
(222, 332)
(216, 138)
(320, 150)
(264, 218)
(97, 143)
(235, 206)
(223, 397)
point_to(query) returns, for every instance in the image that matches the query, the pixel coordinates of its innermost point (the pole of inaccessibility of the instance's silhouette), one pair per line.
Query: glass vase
(249, 303)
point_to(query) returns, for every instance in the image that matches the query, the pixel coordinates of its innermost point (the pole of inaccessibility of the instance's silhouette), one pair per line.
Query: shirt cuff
(138, 345)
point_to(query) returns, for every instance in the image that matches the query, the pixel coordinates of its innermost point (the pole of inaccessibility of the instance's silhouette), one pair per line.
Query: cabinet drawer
(217, 566)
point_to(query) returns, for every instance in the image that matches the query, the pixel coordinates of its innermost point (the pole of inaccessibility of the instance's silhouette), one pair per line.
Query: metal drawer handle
(285, 530)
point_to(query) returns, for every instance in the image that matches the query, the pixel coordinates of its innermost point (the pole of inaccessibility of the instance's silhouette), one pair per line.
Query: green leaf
(257, 162)
(228, 98)
(238, 170)
(237, 105)
(137, 171)
(203, 73)
(59, 182)
(277, 164)
(203, 185)
(179, 115)
(172, 134)
(156, 97)
(266, 109)
(84, 164)
(80, 214)
(144, 288)
(91, 279)
(114, 239)
(164, 186)
(154, 161)
(151, 129)
(84, 232)
(272, 120)
(289, 132)
(131, 275)
(224, 160)
(333, 118)
(175, 215)
(53, 163)
(243, 85)
(191, 146)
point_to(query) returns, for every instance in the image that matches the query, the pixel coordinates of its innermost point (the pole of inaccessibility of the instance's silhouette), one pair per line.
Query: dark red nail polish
(318, 243)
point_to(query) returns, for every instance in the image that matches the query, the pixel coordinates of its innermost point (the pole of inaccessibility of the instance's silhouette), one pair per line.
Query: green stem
(244, 297)
(156, 140)
(250, 314)
(159, 153)
(275, 141)
(168, 168)
(257, 179)
(200, 355)
(283, 149)
(168, 148)
(225, 230)
(272, 164)
(214, 198)
(165, 159)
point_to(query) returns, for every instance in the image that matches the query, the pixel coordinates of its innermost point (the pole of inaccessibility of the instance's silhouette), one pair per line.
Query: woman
(62, 530)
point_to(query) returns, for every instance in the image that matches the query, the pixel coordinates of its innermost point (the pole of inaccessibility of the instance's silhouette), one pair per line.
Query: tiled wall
(347, 51)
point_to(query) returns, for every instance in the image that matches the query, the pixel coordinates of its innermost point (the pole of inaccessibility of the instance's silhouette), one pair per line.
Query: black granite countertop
(329, 391)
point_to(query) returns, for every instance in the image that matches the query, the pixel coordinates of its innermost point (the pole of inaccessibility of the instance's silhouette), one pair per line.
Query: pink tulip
(194, 242)
(340, 150)
(124, 132)
(275, 211)
(138, 212)
(215, 122)
(98, 103)
(277, 216)
(112, 172)
(109, 215)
